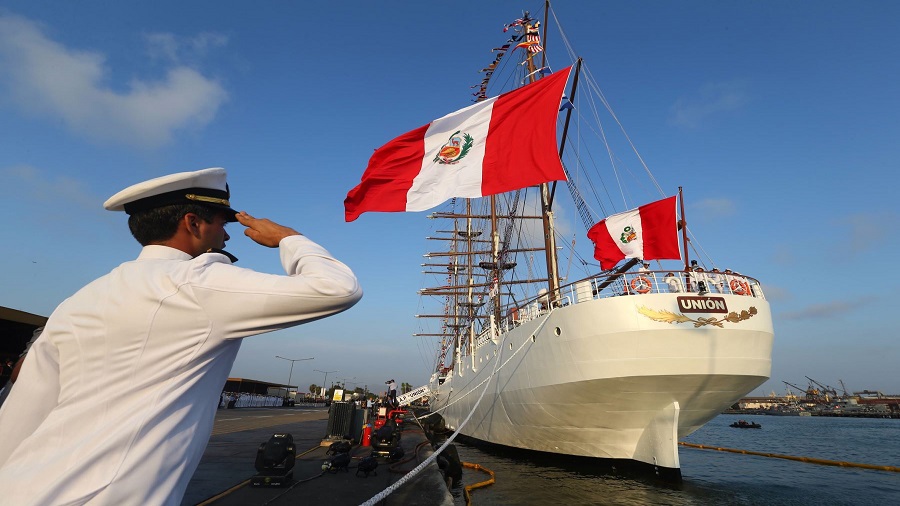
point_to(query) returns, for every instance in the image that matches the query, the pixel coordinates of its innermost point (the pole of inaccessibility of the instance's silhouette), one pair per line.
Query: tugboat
(743, 424)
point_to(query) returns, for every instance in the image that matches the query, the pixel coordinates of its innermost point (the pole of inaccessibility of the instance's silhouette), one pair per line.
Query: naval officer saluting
(116, 399)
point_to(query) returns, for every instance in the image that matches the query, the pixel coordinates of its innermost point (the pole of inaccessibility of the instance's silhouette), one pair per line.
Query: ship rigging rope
(808, 460)
(388, 491)
(695, 244)
(591, 83)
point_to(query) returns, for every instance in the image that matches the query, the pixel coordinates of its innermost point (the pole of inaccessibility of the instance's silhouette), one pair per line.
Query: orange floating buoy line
(808, 460)
(469, 488)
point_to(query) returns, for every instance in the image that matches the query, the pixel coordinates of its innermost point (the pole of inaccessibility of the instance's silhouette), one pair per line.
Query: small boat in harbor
(743, 424)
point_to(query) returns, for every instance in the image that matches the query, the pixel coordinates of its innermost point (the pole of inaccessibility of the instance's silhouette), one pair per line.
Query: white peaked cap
(207, 187)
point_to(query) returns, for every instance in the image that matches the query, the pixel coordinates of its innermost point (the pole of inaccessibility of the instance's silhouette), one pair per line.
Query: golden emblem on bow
(661, 315)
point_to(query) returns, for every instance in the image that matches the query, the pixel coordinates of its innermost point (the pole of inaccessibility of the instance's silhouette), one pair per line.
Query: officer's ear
(191, 222)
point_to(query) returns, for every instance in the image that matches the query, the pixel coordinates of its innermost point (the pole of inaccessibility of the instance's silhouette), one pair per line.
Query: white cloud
(50, 207)
(47, 79)
(785, 254)
(826, 310)
(169, 47)
(714, 207)
(31, 185)
(864, 232)
(776, 293)
(712, 100)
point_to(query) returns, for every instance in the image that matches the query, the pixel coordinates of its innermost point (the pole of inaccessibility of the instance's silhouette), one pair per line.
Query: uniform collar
(157, 252)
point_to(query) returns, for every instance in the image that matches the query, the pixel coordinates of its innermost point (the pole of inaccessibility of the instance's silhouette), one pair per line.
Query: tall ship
(610, 342)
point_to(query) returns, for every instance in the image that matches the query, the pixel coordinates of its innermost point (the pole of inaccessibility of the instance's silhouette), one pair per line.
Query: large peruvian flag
(501, 144)
(649, 232)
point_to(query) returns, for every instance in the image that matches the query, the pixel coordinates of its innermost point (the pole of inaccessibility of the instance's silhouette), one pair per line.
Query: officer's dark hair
(160, 224)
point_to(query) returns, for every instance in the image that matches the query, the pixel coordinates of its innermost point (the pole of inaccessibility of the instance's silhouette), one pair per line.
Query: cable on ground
(395, 467)
(244, 483)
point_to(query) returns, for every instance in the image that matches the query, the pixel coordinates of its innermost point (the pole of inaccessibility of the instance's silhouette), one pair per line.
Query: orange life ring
(738, 287)
(641, 284)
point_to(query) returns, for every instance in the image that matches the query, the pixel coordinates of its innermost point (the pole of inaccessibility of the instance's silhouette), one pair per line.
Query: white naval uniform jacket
(116, 399)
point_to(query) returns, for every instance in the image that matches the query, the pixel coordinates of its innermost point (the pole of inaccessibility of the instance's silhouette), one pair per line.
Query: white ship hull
(603, 378)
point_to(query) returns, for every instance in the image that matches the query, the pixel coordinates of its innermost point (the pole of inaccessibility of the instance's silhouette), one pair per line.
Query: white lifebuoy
(641, 284)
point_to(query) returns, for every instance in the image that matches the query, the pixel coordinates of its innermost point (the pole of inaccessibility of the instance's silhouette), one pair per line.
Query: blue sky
(780, 119)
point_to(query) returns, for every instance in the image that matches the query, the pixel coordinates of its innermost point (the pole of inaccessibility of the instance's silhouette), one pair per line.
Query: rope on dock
(469, 488)
(388, 491)
(808, 460)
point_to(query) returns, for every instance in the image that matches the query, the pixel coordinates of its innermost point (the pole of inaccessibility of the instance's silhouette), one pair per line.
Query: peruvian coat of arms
(628, 235)
(455, 149)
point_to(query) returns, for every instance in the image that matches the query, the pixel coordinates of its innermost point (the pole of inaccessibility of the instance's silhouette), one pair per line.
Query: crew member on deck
(716, 280)
(674, 283)
(698, 278)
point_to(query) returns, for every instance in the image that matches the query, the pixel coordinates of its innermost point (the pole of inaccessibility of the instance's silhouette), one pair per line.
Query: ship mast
(470, 235)
(495, 258)
(546, 212)
(467, 289)
(683, 226)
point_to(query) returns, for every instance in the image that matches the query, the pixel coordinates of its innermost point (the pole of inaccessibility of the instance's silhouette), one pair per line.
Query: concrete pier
(223, 476)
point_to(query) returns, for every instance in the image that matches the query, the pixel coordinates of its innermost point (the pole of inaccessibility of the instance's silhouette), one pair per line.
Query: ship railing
(634, 283)
(484, 337)
(644, 282)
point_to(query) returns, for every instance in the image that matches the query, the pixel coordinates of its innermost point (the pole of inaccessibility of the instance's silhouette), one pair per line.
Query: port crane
(826, 390)
(844, 388)
(813, 395)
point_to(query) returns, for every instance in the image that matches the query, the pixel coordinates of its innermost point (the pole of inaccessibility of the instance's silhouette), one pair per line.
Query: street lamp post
(291, 360)
(325, 379)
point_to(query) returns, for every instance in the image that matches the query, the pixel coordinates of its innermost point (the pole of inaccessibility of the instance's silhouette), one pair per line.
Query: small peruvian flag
(649, 232)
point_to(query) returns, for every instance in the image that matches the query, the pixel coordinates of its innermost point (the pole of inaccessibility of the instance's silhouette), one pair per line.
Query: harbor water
(714, 477)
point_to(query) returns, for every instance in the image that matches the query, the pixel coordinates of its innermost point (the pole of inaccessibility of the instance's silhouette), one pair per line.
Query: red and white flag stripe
(500, 144)
(649, 232)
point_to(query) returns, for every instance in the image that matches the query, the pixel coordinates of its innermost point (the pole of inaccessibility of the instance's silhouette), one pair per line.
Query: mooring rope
(808, 460)
(408, 476)
(463, 396)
